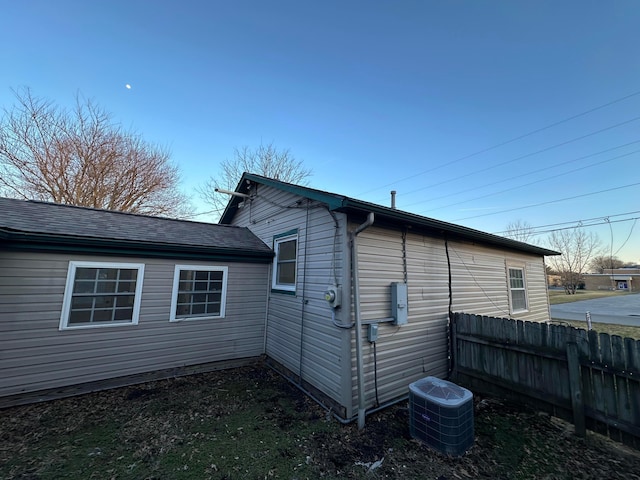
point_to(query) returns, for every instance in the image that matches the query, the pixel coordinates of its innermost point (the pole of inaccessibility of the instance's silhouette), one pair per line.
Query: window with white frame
(285, 262)
(517, 289)
(100, 294)
(199, 292)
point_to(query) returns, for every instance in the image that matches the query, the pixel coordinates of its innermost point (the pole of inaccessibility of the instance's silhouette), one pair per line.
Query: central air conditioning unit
(441, 415)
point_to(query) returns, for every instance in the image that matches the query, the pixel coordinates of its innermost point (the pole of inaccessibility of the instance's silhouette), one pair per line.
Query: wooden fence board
(598, 387)
(608, 382)
(632, 351)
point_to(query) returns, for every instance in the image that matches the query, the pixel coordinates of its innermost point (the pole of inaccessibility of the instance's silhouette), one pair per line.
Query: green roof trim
(384, 215)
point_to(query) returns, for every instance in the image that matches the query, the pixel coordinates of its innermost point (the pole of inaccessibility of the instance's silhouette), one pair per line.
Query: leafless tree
(266, 160)
(600, 263)
(578, 248)
(81, 157)
(520, 230)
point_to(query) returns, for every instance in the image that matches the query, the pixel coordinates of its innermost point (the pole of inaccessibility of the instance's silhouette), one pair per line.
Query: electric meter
(332, 296)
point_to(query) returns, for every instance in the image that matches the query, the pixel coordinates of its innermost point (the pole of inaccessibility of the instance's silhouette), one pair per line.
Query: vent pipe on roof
(393, 199)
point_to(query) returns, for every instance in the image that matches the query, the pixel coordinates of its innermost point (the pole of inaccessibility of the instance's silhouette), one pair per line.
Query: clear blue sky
(371, 95)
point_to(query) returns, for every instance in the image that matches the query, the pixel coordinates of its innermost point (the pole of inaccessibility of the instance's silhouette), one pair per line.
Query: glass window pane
(197, 309)
(102, 315)
(286, 273)
(125, 301)
(287, 250)
(128, 274)
(104, 302)
(201, 286)
(185, 286)
(182, 310)
(200, 298)
(202, 275)
(79, 316)
(184, 298)
(123, 314)
(126, 286)
(519, 300)
(217, 276)
(86, 273)
(84, 286)
(108, 274)
(106, 287)
(186, 274)
(81, 302)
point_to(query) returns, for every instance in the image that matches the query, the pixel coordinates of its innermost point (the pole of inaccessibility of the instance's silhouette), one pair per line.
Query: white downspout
(356, 307)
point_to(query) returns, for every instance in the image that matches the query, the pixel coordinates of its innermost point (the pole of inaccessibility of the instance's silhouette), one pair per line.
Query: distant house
(625, 279)
(360, 294)
(93, 298)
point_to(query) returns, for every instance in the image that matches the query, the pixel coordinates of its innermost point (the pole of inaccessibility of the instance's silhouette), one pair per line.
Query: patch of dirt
(157, 419)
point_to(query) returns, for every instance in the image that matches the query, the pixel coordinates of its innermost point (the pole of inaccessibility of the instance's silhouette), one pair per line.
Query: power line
(549, 202)
(456, 193)
(507, 142)
(546, 149)
(583, 167)
(635, 220)
(579, 222)
(595, 224)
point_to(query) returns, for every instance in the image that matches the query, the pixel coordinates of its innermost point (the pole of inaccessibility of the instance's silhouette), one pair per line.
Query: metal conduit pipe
(356, 307)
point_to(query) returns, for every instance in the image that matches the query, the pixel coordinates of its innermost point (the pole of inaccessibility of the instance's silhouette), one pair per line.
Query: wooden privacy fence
(590, 378)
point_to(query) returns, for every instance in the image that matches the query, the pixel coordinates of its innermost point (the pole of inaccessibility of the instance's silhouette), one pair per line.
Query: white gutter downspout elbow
(358, 322)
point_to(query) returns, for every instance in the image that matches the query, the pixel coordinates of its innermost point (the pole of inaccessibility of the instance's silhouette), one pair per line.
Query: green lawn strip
(624, 331)
(559, 296)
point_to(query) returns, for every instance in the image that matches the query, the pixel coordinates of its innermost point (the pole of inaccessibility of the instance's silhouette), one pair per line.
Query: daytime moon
(128, 87)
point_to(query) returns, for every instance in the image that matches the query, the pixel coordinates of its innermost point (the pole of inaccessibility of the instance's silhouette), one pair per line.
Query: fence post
(575, 384)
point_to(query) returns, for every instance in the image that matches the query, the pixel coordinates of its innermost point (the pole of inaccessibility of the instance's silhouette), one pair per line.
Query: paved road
(622, 310)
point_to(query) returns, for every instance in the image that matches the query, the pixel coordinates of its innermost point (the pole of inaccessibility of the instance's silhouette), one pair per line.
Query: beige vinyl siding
(300, 333)
(419, 348)
(37, 355)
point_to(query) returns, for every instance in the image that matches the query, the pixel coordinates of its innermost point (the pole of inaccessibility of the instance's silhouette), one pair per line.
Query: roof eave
(44, 242)
(345, 204)
(405, 218)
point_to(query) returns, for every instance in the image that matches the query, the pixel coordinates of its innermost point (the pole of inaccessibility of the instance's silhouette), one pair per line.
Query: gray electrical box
(399, 303)
(372, 332)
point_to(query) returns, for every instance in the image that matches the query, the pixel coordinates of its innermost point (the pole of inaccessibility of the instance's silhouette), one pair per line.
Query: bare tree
(81, 157)
(520, 230)
(266, 160)
(577, 248)
(600, 263)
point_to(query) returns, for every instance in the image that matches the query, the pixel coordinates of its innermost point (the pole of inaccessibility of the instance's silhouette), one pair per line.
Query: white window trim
(274, 274)
(524, 288)
(176, 282)
(68, 294)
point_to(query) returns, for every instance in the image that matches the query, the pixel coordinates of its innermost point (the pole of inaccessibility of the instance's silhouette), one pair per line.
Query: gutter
(358, 323)
(90, 245)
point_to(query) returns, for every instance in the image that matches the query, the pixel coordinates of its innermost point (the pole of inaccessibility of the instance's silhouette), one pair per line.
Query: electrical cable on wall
(375, 373)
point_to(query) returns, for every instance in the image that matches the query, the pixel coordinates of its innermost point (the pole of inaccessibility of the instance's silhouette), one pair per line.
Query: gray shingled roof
(52, 223)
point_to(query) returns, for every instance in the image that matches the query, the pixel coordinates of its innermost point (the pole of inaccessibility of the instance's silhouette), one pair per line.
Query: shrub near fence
(589, 378)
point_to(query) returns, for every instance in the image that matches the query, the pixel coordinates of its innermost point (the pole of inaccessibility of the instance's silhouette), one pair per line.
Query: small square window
(101, 294)
(198, 292)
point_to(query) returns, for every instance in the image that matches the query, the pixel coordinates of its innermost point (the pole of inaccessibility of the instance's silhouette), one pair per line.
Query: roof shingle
(67, 222)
